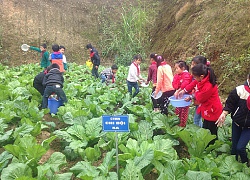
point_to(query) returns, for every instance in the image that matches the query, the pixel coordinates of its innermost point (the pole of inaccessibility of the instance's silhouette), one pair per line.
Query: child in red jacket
(207, 94)
(181, 79)
(152, 76)
(192, 88)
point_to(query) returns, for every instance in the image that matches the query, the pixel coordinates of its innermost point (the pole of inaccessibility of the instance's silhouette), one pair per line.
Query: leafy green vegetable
(51, 168)
(16, 170)
(92, 154)
(4, 159)
(85, 170)
(194, 175)
(196, 139)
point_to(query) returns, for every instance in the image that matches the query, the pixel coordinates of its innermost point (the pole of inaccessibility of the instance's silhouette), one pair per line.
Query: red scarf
(163, 63)
(92, 54)
(154, 63)
(113, 78)
(137, 67)
(248, 99)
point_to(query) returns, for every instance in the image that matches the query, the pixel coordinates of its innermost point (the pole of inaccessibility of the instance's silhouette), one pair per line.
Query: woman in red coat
(207, 94)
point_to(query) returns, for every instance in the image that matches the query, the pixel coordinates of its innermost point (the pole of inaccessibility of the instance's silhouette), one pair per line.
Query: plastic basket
(157, 96)
(25, 47)
(144, 84)
(179, 102)
(54, 104)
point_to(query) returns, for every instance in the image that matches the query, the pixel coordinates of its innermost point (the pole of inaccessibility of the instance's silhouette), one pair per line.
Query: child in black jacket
(238, 105)
(38, 81)
(95, 59)
(53, 83)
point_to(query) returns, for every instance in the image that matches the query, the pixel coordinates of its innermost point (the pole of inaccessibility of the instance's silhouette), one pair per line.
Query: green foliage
(51, 168)
(120, 41)
(196, 139)
(174, 170)
(233, 66)
(16, 171)
(93, 154)
(204, 44)
(84, 170)
(26, 150)
(4, 159)
(147, 148)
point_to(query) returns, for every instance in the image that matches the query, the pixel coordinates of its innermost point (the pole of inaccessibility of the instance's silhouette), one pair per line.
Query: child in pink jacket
(164, 83)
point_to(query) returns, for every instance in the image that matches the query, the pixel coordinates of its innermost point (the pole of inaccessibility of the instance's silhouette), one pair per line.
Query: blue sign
(115, 123)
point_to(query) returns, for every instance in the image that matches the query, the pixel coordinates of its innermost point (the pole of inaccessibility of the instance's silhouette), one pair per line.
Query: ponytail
(212, 76)
(182, 64)
(159, 59)
(201, 69)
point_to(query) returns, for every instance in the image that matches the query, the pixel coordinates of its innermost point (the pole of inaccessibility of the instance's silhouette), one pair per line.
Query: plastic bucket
(179, 102)
(89, 64)
(54, 104)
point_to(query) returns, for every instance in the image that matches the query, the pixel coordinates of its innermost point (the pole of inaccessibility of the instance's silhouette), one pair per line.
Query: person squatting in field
(238, 105)
(109, 74)
(38, 80)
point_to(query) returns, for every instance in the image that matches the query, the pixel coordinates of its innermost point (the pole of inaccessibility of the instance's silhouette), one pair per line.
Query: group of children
(50, 80)
(200, 84)
(57, 56)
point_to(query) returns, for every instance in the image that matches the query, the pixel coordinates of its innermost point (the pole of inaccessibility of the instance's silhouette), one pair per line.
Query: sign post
(115, 124)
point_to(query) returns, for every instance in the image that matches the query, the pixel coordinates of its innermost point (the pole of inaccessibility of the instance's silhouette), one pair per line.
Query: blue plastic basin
(180, 102)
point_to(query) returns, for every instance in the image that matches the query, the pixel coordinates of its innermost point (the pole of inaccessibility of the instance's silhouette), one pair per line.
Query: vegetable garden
(155, 147)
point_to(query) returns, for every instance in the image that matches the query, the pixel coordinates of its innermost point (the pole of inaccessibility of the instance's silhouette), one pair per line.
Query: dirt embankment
(70, 23)
(218, 29)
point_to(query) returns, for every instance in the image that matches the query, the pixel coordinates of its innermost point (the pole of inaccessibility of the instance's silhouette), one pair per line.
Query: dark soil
(182, 150)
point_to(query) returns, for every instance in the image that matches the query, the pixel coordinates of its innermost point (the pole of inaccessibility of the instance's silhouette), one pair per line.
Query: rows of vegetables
(150, 148)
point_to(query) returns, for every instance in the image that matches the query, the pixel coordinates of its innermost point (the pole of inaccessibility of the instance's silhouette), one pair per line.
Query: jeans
(53, 89)
(103, 78)
(240, 139)
(133, 85)
(94, 72)
(197, 118)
